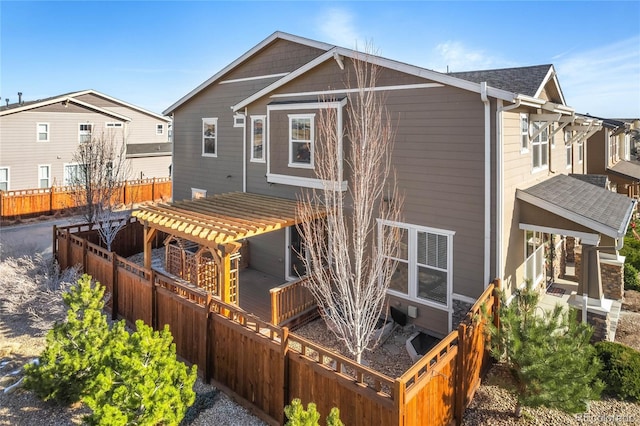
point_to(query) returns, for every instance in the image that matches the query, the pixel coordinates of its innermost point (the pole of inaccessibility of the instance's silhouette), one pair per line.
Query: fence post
(459, 388)
(85, 249)
(207, 351)
(114, 281)
(284, 353)
(54, 246)
(400, 390)
(153, 189)
(154, 301)
(124, 193)
(51, 200)
(496, 302)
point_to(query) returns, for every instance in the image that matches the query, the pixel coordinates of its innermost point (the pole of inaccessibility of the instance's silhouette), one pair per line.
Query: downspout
(487, 182)
(244, 152)
(500, 185)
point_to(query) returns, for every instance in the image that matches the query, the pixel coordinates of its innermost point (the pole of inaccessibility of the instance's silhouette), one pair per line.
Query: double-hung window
(301, 140)
(524, 133)
(257, 138)
(159, 129)
(43, 132)
(44, 176)
(210, 137)
(540, 146)
(4, 178)
(580, 151)
(84, 132)
(424, 264)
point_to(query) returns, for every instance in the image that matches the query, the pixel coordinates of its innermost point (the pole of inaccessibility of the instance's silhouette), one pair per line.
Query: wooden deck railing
(48, 201)
(290, 300)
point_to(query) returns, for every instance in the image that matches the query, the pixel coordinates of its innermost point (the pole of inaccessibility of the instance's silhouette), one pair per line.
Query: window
(540, 146)
(424, 265)
(534, 256)
(159, 129)
(524, 132)
(238, 120)
(74, 174)
(568, 147)
(257, 138)
(198, 193)
(613, 148)
(43, 132)
(301, 135)
(44, 175)
(84, 132)
(210, 137)
(113, 125)
(580, 152)
(4, 178)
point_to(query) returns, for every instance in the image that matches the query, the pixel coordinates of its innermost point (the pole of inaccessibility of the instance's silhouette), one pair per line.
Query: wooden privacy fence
(267, 366)
(47, 201)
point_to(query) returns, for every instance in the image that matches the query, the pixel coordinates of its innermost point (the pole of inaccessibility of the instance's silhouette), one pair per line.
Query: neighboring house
(610, 153)
(38, 138)
(482, 159)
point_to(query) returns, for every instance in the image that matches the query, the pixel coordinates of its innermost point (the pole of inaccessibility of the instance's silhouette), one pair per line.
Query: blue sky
(152, 53)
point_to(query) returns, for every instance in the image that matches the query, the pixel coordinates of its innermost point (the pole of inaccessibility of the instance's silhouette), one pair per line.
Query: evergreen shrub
(621, 370)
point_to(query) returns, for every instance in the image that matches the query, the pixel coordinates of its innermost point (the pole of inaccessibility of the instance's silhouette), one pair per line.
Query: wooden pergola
(217, 222)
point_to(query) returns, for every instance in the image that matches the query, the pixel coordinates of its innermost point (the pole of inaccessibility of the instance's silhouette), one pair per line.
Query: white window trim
(64, 174)
(568, 146)
(160, 129)
(38, 132)
(238, 119)
(48, 177)
(524, 150)
(542, 167)
(215, 122)
(412, 261)
(580, 152)
(254, 118)
(195, 191)
(312, 141)
(8, 176)
(80, 134)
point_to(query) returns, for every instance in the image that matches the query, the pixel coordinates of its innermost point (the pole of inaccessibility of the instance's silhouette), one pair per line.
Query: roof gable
(251, 52)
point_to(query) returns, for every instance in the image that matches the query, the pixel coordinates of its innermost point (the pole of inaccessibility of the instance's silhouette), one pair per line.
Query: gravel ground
(30, 302)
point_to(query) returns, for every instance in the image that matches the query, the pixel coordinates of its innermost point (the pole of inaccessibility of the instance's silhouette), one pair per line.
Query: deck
(254, 296)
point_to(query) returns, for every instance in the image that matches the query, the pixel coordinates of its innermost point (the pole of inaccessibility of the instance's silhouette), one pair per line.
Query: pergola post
(225, 251)
(149, 234)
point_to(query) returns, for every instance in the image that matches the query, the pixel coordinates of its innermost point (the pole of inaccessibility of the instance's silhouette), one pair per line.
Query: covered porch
(204, 243)
(596, 217)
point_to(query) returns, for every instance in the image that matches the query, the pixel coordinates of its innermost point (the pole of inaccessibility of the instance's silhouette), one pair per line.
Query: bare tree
(102, 169)
(347, 256)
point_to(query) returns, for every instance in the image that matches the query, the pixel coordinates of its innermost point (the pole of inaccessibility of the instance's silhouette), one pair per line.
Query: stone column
(613, 278)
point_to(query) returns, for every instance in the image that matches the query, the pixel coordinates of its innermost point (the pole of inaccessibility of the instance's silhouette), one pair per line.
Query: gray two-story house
(482, 159)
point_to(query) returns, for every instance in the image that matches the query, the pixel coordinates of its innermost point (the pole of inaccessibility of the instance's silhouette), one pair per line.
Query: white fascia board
(306, 67)
(307, 105)
(382, 62)
(123, 103)
(355, 90)
(306, 182)
(245, 56)
(585, 237)
(573, 217)
(550, 73)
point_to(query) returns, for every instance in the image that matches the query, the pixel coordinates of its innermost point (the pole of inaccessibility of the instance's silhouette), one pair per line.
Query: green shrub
(631, 250)
(72, 356)
(621, 370)
(123, 378)
(142, 382)
(298, 416)
(631, 277)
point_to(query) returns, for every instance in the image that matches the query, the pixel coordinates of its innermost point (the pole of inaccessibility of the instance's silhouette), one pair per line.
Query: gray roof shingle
(583, 203)
(523, 80)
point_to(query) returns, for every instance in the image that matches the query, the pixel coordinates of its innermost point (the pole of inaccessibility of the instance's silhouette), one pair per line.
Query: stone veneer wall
(600, 323)
(569, 245)
(612, 280)
(577, 254)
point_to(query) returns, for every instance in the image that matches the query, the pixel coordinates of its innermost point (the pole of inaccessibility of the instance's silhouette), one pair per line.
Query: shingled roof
(583, 203)
(523, 80)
